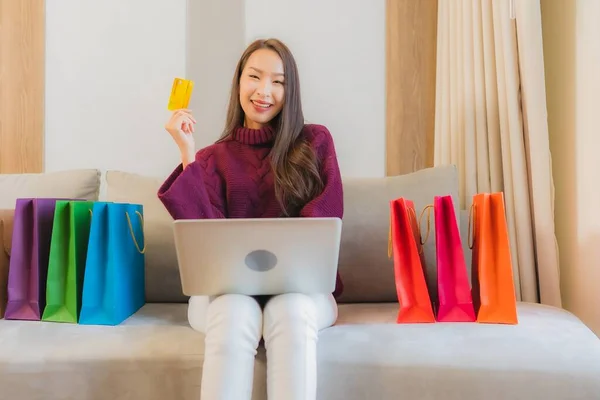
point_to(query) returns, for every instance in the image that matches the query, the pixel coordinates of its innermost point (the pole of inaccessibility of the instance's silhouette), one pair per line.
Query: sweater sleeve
(330, 202)
(194, 192)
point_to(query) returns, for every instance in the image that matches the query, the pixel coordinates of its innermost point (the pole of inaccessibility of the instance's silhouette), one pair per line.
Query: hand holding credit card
(181, 123)
(181, 92)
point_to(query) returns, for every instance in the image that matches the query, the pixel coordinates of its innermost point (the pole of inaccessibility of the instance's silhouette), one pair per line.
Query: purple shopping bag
(28, 268)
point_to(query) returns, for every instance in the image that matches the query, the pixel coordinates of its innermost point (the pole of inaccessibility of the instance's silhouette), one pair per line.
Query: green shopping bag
(68, 252)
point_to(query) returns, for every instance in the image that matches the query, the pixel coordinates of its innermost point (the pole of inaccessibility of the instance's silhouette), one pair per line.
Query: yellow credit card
(180, 94)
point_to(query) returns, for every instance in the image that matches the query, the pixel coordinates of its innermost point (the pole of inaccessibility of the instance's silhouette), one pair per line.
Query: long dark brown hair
(295, 166)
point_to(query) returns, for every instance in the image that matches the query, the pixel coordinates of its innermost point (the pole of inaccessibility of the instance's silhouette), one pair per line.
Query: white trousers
(234, 325)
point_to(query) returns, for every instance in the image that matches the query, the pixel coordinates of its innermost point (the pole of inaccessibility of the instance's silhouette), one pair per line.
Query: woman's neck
(252, 124)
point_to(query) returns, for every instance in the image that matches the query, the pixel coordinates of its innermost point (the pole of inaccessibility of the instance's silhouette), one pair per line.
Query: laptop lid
(263, 256)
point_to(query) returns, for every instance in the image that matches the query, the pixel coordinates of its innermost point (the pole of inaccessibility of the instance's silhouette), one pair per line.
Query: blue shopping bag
(114, 279)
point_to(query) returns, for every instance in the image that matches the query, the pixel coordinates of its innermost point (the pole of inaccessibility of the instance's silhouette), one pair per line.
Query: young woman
(268, 163)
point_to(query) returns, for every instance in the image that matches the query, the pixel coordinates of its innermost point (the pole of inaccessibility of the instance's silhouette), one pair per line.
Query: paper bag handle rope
(428, 209)
(471, 231)
(142, 251)
(412, 213)
(390, 238)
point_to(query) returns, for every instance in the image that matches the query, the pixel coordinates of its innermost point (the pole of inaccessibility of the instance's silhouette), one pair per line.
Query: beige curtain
(490, 121)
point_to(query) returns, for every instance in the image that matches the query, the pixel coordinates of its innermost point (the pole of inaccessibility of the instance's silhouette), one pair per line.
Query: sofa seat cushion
(155, 355)
(152, 355)
(550, 354)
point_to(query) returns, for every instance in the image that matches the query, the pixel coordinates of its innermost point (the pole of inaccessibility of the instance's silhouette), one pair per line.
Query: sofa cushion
(82, 184)
(549, 355)
(6, 227)
(365, 268)
(153, 355)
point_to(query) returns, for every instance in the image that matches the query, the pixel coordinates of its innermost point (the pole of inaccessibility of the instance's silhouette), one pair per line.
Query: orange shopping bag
(492, 277)
(404, 244)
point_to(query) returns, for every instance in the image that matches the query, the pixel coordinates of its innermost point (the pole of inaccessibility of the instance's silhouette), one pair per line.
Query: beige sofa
(550, 354)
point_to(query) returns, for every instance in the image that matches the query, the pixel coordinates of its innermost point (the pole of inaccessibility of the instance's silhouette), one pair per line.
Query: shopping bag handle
(390, 246)
(427, 208)
(414, 215)
(471, 231)
(142, 251)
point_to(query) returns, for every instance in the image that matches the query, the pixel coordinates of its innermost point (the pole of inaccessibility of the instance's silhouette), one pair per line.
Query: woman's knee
(290, 314)
(327, 310)
(197, 309)
(232, 319)
(295, 305)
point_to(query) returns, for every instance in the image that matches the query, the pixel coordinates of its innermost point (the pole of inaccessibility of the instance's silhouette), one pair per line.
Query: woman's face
(262, 88)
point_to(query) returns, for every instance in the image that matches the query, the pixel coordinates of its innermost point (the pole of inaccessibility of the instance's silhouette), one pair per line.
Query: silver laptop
(263, 256)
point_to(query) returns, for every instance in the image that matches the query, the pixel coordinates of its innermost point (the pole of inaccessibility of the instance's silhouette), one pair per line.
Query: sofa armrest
(6, 225)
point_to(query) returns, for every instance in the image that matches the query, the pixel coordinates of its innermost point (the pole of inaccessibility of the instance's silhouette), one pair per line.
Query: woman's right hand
(181, 128)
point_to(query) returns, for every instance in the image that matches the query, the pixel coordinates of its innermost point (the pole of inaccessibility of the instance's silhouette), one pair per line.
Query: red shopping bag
(455, 303)
(491, 267)
(403, 245)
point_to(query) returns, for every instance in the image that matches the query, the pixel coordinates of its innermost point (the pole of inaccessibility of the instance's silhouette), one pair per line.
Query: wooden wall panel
(22, 44)
(411, 35)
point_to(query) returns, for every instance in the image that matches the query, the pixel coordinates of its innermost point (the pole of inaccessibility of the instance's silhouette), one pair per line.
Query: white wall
(109, 69)
(572, 60)
(340, 51)
(110, 65)
(215, 42)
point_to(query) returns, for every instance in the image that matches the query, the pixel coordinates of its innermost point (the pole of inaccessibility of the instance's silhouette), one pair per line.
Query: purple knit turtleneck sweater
(234, 179)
